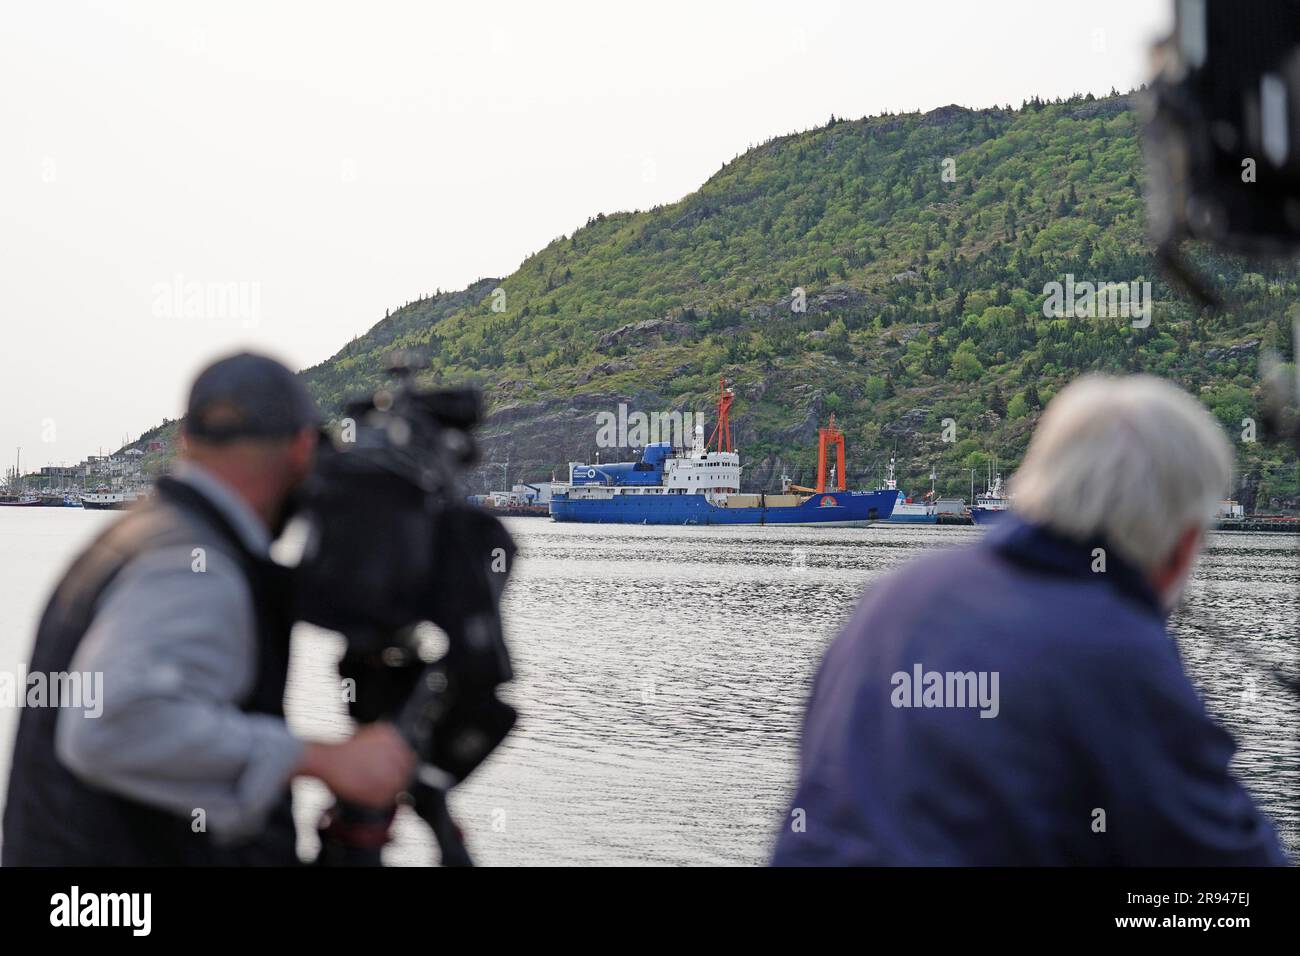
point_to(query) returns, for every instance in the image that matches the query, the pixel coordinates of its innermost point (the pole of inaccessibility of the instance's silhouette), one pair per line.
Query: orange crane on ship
(827, 438)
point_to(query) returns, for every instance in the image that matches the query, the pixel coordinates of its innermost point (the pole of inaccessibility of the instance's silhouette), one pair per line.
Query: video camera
(1223, 134)
(1222, 141)
(391, 548)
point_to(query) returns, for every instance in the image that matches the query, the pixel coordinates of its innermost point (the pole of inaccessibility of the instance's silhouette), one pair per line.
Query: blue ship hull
(833, 508)
(987, 515)
(912, 519)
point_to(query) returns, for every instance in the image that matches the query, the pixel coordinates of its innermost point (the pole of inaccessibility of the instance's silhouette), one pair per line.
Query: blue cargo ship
(702, 487)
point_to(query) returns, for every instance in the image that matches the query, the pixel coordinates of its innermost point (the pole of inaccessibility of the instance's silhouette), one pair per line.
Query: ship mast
(722, 431)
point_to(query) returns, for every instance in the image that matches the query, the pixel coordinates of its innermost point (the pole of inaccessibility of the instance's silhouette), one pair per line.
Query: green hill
(923, 295)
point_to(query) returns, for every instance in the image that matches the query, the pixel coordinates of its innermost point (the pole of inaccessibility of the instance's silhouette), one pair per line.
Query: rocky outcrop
(908, 426)
(604, 368)
(946, 115)
(839, 298)
(642, 331)
(804, 433)
(833, 299)
(541, 437)
(766, 474)
(1233, 351)
(1103, 107)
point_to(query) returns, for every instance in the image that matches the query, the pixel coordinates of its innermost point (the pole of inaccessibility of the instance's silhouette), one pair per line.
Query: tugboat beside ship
(907, 511)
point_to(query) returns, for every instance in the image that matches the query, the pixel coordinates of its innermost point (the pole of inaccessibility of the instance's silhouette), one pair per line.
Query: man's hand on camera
(371, 768)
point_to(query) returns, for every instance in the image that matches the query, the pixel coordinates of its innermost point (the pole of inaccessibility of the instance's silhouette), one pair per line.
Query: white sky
(338, 159)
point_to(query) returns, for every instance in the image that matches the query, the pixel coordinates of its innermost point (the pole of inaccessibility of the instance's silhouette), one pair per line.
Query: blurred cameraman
(180, 608)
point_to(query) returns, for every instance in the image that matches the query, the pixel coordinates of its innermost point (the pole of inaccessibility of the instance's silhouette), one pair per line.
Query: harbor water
(662, 673)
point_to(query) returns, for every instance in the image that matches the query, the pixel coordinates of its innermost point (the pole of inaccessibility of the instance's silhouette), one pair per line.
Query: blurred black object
(1223, 134)
(1281, 394)
(1223, 155)
(391, 548)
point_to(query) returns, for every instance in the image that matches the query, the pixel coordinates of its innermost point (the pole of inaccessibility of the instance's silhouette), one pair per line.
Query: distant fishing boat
(19, 501)
(16, 498)
(105, 500)
(992, 504)
(907, 511)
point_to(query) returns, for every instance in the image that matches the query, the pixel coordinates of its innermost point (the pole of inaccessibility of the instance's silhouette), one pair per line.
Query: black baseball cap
(248, 396)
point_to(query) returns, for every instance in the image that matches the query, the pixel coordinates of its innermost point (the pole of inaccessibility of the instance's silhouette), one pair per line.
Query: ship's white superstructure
(702, 471)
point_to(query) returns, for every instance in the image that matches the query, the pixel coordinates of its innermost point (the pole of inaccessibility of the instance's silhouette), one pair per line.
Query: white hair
(1133, 460)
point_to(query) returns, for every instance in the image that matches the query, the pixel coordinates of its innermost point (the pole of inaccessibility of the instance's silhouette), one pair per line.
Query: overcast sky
(178, 180)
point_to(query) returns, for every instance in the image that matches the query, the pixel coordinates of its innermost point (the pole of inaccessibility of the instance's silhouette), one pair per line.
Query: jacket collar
(1038, 547)
(240, 514)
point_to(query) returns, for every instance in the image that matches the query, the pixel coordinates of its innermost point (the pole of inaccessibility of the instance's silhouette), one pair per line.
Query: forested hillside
(922, 293)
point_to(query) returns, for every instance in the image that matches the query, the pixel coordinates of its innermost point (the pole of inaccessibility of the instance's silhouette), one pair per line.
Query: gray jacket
(174, 638)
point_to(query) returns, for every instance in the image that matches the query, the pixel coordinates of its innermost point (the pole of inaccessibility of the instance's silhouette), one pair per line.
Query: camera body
(1222, 142)
(1223, 128)
(391, 547)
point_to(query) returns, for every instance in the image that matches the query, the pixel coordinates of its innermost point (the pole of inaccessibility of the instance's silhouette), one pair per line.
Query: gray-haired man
(1021, 701)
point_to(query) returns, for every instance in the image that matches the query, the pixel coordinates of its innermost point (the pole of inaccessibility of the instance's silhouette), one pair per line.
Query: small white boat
(907, 511)
(108, 500)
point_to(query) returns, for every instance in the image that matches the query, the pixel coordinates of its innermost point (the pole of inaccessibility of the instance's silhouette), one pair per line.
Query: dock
(1278, 524)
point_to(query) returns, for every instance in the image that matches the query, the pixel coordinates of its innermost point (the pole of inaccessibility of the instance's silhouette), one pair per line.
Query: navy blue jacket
(1100, 753)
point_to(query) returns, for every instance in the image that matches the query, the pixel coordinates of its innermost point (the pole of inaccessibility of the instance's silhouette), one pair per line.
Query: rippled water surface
(661, 675)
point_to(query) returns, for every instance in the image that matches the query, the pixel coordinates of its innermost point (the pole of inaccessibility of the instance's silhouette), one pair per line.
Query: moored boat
(702, 487)
(104, 500)
(992, 504)
(509, 504)
(17, 498)
(907, 511)
(20, 501)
